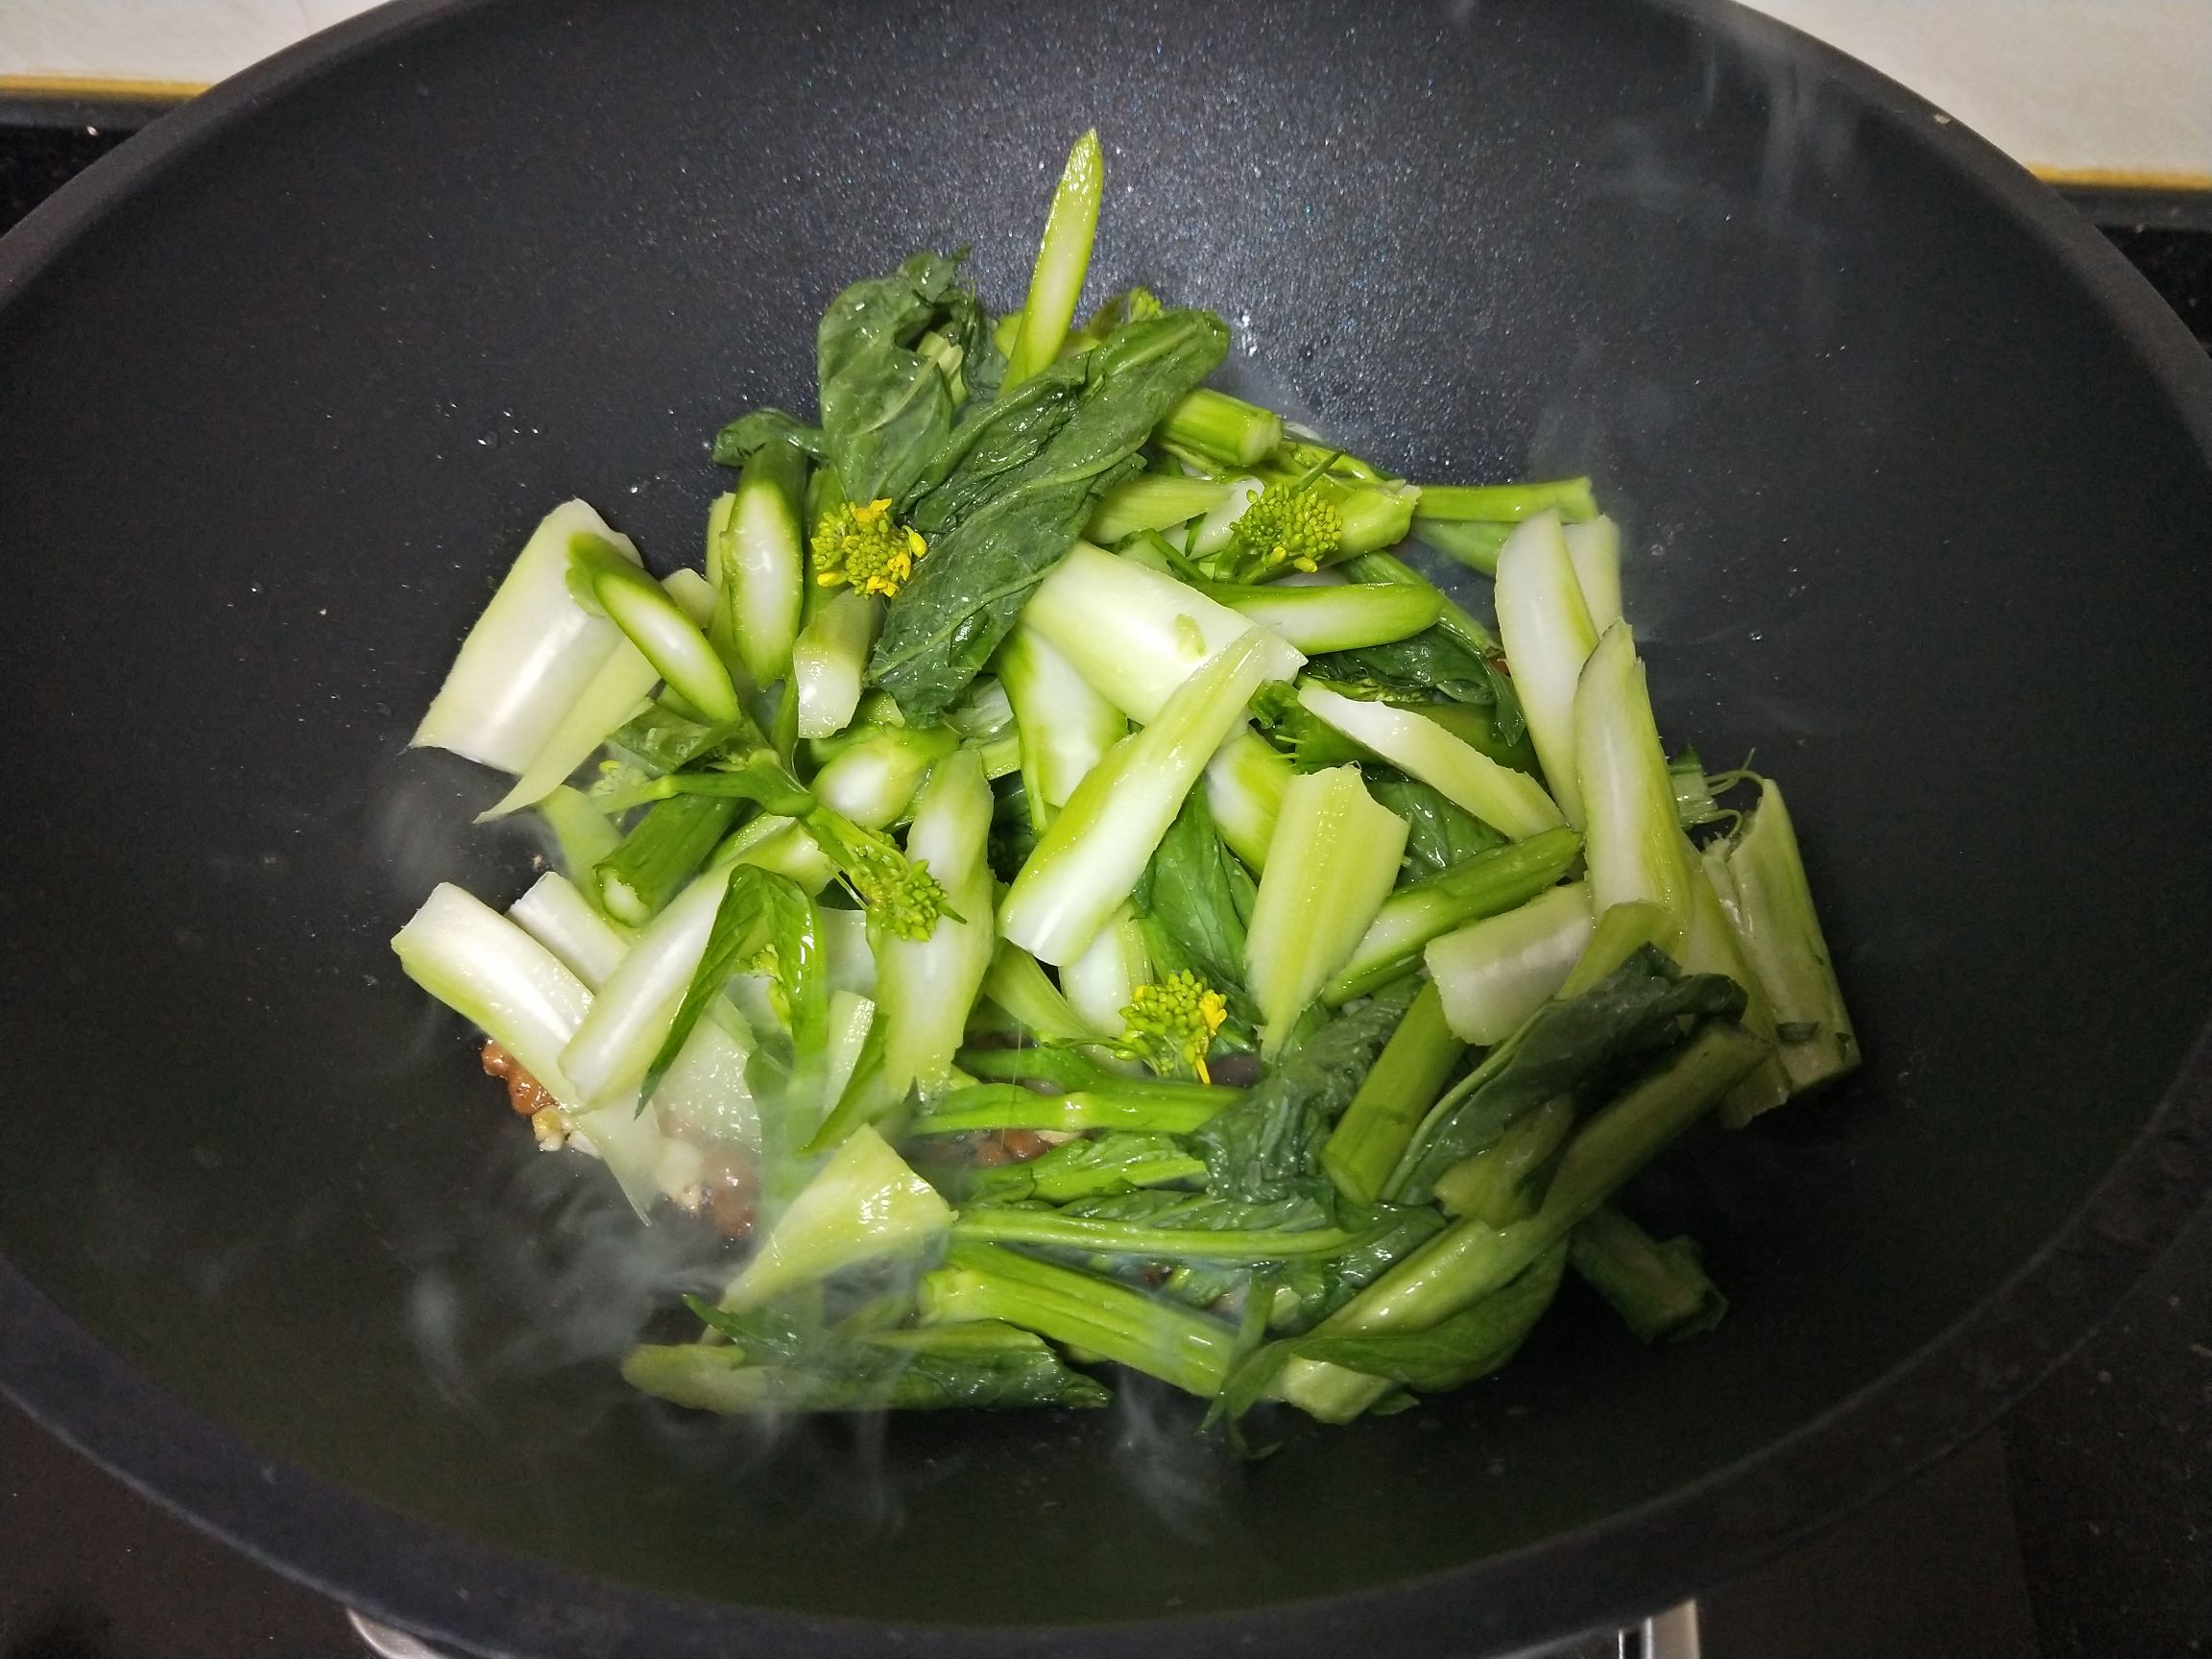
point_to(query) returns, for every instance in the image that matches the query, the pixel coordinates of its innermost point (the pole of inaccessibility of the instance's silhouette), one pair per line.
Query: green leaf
(736, 442)
(942, 625)
(1471, 1343)
(1311, 743)
(1269, 1144)
(1316, 1290)
(972, 466)
(1430, 663)
(1574, 1045)
(1441, 832)
(886, 408)
(758, 910)
(773, 1364)
(662, 740)
(1193, 900)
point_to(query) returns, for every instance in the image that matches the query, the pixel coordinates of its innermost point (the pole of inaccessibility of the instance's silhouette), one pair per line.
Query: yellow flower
(1288, 525)
(867, 548)
(1173, 1024)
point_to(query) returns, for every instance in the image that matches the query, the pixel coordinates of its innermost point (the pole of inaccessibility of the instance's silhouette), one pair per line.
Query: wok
(1915, 474)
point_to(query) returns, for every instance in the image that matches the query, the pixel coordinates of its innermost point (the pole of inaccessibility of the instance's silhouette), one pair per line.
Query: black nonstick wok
(1917, 476)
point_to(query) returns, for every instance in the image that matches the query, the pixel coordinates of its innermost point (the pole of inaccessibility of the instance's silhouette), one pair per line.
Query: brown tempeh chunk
(524, 1093)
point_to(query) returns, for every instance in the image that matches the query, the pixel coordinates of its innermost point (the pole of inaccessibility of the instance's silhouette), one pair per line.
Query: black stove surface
(2080, 1526)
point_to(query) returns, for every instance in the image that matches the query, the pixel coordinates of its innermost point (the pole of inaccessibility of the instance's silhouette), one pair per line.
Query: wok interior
(1905, 517)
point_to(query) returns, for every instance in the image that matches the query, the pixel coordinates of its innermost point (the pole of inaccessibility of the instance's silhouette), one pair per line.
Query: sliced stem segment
(1066, 726)
(1511, 803)
(529, 656)
(662, 854)
(1135, 633)
(758, 563)
(1633, 840)
(1596, 549)
(601, 573)
(927, 986)
(1161, 1107)
(830, 661)
(1227, 428)
(1571, 498)
(1329, 866)
(1661, 1291)
(865, 1204)
(1063, 258)
(1345, 617)
(1469, 1260)
(1047, 1229)
(1486, 885)
(1377, 1126)
(1244, 785)
(1548, 636)
(1495, 973)
(1770, 902)
(614, 1045)
(1090, 1315)
(1091, 856)
(1152, 501)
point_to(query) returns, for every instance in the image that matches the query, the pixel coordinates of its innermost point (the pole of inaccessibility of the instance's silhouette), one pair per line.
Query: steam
(549, 1270)
(1181, 1478)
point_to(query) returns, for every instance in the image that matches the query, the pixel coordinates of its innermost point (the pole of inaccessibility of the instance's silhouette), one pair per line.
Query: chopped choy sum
(1064, 888)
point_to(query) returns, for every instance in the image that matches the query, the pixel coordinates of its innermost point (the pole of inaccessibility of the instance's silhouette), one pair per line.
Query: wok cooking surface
(572, 401)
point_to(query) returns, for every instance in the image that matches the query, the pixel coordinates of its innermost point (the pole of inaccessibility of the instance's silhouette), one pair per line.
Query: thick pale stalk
(1152, 501)
(1633, 840)
(631, 1019)
(615, 694)
(1133, 634)
(1066, 726)
(925, 987)
(1596, 549)
(1091, 856)
(1546, 627)
(1101, 982)
(830, 661)
(1244, 785)
(1710, 946)
(488, 969)
(1342, 617)
(1329, 866)
(1024, 990)
(529, 656)
(759, 562)
(1063, 257)
(1483, 885)
(866, 1203)
(1511, 803)
(1771, 903)
(1495, 973)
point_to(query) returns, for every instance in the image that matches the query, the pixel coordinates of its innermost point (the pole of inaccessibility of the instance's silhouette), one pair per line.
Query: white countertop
(2105, 91)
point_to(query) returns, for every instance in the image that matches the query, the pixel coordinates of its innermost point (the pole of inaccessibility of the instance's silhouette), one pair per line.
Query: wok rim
(422, 1578)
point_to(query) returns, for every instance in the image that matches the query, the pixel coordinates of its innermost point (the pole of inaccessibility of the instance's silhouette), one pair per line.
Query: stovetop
(2082, 1525)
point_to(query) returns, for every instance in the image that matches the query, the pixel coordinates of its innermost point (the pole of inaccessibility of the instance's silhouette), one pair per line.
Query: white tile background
(2078, 88)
